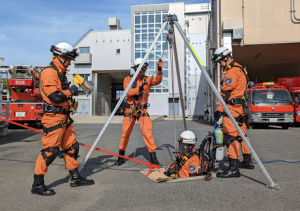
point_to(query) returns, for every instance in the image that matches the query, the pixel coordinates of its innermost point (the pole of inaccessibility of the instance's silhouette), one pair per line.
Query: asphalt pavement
(125, 188)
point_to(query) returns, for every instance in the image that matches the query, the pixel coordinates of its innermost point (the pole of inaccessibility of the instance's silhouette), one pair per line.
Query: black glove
(159, 65)
(218, 114)
(167, 173)
(144, 86)
(73, 90)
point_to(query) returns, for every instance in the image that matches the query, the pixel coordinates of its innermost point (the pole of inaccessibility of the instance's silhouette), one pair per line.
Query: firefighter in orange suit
(57, 124)
(136, 109)
(234, 86)
(187, 160)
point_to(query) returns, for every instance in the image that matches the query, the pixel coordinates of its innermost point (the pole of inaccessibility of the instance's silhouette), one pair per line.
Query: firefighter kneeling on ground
(187, 160)
(234, 86)
(136, 109)
(57, 124)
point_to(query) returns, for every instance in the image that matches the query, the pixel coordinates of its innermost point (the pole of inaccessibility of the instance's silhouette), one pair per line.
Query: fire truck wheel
(285, 126)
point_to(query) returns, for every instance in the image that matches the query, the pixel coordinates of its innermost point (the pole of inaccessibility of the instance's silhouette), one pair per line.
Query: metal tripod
(172, 20)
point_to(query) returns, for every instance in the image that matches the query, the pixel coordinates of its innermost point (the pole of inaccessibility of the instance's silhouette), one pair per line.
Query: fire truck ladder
(172, 20)
(4, 92)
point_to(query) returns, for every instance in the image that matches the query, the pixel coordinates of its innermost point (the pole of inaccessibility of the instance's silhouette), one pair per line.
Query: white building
(106, 58)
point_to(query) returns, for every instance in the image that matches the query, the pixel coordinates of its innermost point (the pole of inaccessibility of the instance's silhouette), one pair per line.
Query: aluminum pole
(122, 98)
(178, 78)
(261, 166)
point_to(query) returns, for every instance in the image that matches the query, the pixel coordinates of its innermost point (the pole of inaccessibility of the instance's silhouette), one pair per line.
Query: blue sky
(29, 27)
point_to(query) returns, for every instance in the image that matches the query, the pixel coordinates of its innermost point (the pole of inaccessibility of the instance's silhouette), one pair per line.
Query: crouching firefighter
(187, 160)
(57, 124)
(234, 87)
(136, 109)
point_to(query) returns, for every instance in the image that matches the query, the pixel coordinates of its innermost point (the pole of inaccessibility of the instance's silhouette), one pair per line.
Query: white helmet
(64, 49)
(220, 53)
(187, 137)
(137, 62)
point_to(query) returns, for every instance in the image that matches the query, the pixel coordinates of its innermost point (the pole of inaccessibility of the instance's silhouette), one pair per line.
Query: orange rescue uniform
(62, 137)
(234, 84)
(134, 98)
(189, 168)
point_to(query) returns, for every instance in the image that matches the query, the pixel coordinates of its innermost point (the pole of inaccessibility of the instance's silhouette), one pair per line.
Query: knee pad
(75, 146)
(228, 139)
(51, 158)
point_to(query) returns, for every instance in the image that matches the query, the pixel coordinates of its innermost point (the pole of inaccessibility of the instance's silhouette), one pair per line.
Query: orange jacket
(235, 81)
(152, 81)
(51, 83)
(190, 167)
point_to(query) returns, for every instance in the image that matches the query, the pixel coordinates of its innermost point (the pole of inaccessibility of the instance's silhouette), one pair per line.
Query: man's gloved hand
(144, 86)
(167, 173)
(73, 90)
(178, 157)
(159, 65)
(218, 114)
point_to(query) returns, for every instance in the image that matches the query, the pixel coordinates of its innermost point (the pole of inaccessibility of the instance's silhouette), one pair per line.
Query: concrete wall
(197, 85)
(265, 21)
(103, 46)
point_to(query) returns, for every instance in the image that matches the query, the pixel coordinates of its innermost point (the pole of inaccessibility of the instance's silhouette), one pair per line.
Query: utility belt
(136, 110)
(57, 110)
(235, 101)
(126, 105)
(240, 119)
(240, 101)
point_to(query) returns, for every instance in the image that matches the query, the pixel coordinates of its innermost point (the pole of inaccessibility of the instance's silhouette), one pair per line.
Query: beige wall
(265, 21)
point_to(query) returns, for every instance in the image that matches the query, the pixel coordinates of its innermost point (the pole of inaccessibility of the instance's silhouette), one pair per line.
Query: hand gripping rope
(150, 165)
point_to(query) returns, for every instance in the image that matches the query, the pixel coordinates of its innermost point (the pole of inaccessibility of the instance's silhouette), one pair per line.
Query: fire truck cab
(25, 98)
(270, 104)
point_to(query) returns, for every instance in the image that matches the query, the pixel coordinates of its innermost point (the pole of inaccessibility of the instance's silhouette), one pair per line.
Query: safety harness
(176, 165)
(242, 100)
(52, 109)
(137, 109)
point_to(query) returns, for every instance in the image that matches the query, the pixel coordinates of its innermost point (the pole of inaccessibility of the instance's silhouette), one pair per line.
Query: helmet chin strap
(63, 63)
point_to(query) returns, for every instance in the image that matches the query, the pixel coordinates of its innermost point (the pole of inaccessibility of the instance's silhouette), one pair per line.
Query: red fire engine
(25, 101)
(270, 104)
(293, 85)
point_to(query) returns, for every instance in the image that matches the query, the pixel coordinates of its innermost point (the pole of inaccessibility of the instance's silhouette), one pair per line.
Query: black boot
(247, 162)
(120, 160)
(154, 158)
(77, 180)
(232, 171)
(39, 187)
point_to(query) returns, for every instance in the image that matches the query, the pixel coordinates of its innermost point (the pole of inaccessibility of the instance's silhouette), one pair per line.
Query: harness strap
(60, 125)
(240, 119)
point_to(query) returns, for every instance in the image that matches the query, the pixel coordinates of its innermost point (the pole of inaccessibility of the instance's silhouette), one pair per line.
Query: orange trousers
(229, 129)
(61, 137)
(146, 129)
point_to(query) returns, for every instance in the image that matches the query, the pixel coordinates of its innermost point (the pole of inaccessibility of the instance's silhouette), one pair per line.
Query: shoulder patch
(192, 168)
(228, 81)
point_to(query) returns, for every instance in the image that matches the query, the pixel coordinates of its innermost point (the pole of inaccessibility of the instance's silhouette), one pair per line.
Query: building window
(84, 50)
(146, 27)
(86, 76)
(119, 94)
(118, 51)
